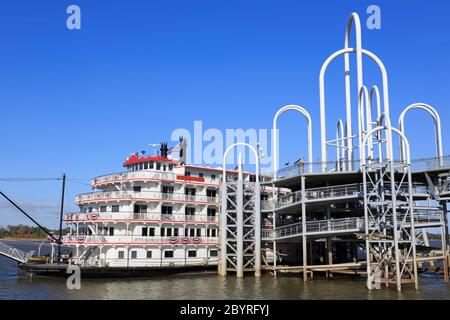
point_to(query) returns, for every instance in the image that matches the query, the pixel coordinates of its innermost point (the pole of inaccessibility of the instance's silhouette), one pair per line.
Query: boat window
(103, 209)
(213, 232)
(192, 253)
(199, 232)
(115, 208)
(144, 231)
(213, 253)
(187, 174)
(211, 212)
(192, 232)
(200, 174)
(151, 165)
(90, 209)
(149, 254)
(211, 193)
(158, 166)
(137, 188)
(151, 232)
(189, 211)
(168, 254)
(170, 167)
(121, 255)
(175, 232)
(163, 232)
(166, 210)
(111, 231)
(164, 168)
(167, 189)
(134, 254)
(169, 232)
(145, 165)
(213, 176)
(141, 166)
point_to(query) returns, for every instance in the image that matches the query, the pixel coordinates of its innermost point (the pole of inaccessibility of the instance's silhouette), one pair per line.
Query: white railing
(314, 227)
(143, 195)
(80, 239)
(154, 216)
(150, 175)
(334, 166)
(314, 194)
(332, 192)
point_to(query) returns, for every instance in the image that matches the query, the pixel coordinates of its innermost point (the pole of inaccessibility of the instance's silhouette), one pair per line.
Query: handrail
(128, 215)
(150, 174)
(421, 164)
(343, 224)
(146, 195)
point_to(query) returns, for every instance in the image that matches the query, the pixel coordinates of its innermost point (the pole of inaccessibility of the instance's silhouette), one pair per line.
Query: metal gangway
(14, 253)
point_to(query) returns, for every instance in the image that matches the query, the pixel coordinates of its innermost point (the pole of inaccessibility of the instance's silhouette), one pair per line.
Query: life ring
(196, 239)
(81, 238)
(185, 239)
(93, 217)
(173, 239)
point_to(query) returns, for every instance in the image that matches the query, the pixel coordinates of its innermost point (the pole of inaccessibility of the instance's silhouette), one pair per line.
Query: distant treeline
(24, 231)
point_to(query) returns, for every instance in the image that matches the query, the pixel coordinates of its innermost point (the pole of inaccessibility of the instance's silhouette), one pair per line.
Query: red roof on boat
(138, 159)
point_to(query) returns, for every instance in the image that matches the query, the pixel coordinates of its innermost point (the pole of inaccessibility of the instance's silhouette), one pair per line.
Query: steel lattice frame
(240, 221)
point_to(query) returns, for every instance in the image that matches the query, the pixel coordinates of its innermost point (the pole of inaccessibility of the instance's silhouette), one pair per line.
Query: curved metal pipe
(255, 153)
(353, 20)
(374, 90)
(437, 127)
(340, 141)
(322, 95)
(275, 135)
(390, 157)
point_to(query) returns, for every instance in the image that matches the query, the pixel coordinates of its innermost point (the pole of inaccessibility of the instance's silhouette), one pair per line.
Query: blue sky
(80, 101)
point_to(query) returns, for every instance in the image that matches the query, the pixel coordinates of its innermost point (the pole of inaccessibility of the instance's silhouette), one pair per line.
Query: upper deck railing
(150, 175)
(424, 164)
(129, 216)
(144, 196)
(332, 192)
(422, 218)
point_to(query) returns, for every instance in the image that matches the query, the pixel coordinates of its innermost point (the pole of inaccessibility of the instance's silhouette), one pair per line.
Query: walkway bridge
(14, 253)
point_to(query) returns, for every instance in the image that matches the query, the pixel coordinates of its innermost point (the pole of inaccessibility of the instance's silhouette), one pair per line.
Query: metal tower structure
(366, 192)
(240, 220)
(389, 219)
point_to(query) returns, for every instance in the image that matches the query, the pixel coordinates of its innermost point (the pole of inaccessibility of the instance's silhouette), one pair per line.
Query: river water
(15, 286)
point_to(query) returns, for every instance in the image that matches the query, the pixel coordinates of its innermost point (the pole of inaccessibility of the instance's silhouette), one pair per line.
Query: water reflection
(209, 286)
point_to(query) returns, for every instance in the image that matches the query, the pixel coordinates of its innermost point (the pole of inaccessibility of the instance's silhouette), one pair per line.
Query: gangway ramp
(13, 253)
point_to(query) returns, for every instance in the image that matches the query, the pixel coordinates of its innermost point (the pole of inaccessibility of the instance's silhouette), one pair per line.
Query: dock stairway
(14, 253)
